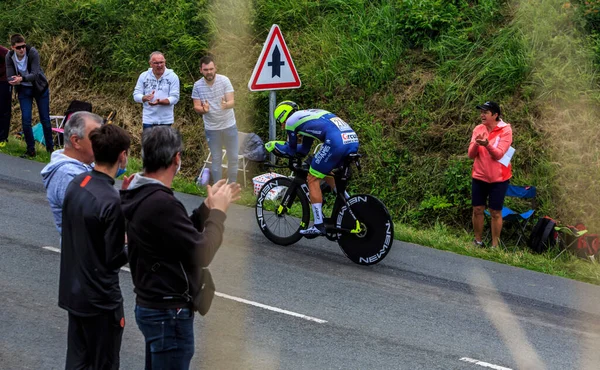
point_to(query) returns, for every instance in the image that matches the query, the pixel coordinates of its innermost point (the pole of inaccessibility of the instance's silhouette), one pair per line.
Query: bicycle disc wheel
(375, 240)
(281, 224)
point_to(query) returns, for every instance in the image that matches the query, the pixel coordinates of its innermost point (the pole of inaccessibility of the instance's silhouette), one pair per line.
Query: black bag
(205, 291)
(40, 84)
(543, 236)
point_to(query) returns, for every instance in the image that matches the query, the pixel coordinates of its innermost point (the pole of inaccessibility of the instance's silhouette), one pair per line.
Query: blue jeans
(169, 336)
(216, 140)
(5, 102)
(42, 101)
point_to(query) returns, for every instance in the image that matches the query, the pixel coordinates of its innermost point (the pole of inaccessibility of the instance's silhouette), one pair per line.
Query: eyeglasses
(158, 63)
(21, 47)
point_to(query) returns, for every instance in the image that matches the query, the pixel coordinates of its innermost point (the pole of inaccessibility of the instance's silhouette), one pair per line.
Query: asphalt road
(306, 306)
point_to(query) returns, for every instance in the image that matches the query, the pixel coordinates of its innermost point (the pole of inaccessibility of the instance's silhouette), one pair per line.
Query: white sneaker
(314, 231)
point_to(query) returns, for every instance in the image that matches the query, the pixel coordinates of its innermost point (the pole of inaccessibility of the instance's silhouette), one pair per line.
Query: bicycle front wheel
(281, 212)
(373, 241)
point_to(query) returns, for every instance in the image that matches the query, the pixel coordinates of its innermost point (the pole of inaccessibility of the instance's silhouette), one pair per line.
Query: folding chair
(520, 220)
(568, 237)
(58, 128)
(242, 161)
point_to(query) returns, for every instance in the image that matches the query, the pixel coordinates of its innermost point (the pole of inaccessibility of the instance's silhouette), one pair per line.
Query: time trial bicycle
(360, 224)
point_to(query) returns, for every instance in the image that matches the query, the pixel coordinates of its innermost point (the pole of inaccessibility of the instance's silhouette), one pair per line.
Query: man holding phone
(26, 75)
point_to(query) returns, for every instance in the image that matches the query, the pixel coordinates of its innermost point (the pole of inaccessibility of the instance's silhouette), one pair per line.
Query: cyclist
(338, 138)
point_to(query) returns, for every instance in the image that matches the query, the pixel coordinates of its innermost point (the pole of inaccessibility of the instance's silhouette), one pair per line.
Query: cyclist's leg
(323, 162)
(347, 149)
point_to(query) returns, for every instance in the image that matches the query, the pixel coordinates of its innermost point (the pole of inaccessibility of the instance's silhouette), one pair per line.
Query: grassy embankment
(406, 74)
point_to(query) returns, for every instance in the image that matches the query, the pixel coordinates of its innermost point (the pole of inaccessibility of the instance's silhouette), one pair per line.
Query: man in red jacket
(489, 143)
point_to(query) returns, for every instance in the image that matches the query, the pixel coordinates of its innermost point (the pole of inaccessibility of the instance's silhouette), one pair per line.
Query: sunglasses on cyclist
(21, 47)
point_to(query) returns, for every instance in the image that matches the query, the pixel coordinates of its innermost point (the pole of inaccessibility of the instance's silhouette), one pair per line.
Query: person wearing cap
(489, 142)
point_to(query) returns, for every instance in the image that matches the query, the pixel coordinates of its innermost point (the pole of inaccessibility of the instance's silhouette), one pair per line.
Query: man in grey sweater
(65, 164)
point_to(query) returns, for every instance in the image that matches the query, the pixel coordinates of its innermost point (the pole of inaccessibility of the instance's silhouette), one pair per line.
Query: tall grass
(565, 85)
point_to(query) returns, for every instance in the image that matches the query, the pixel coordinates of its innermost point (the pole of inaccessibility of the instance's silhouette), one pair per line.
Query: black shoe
(28, 154)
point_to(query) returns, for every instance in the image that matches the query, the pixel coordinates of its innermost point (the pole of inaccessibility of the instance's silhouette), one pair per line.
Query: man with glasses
(158, 91)
(24, 72)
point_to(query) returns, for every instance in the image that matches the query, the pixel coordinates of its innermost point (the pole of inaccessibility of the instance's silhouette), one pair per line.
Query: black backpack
(543, 236)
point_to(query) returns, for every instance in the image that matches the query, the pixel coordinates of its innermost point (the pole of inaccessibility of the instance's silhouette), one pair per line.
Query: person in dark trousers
(93, 251)
(24, 72)
(167, 248)
(5, 99)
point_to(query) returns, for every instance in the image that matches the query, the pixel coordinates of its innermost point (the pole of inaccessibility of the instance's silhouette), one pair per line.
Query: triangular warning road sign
(275, 69)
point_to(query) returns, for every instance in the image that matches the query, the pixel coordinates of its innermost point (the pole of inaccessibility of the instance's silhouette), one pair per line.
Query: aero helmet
(284, 110)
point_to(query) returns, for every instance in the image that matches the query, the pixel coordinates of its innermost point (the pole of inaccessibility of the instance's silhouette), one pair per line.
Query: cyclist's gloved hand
(279, 148)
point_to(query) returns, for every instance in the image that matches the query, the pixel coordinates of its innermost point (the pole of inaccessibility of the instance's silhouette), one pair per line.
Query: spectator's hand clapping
(221, 195)
(149, 97)
(223, 103)
(127, 181)
(205, 106)
(481, 140)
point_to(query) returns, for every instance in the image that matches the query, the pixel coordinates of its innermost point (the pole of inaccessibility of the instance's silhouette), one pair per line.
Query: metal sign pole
(272, 126)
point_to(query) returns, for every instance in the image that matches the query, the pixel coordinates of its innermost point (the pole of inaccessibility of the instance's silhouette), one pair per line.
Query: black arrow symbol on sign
(276, 63)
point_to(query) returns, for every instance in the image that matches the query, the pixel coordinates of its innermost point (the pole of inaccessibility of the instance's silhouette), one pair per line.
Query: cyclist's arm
(307, 143)
(292, 142)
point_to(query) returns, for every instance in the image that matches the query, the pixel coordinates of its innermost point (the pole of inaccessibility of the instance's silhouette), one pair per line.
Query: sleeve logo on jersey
(350, 137)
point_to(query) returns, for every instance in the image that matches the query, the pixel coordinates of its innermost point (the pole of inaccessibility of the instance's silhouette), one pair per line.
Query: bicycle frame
(341, 177)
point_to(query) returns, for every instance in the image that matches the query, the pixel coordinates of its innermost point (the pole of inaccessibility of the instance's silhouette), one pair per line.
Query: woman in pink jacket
(489, 143)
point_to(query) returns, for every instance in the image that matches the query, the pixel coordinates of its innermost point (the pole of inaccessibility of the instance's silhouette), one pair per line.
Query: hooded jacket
(486, 166)
(57, 175)
(166, 246)
(167, 86)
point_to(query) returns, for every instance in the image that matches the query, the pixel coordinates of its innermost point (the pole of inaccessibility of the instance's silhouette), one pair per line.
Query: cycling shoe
(314, 231)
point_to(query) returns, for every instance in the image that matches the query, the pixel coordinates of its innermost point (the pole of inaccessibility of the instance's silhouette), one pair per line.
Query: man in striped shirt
(213, 99)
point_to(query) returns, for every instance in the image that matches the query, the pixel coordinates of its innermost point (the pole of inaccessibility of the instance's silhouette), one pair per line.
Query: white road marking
(270, 308)
(484, 364)
(237, 299)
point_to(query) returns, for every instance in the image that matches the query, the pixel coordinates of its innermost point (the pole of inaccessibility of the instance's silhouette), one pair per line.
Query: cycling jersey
(337, 137)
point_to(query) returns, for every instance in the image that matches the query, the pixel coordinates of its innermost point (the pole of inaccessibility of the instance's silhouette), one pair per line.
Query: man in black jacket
(24, 72)
(167, 248)
(93, 237)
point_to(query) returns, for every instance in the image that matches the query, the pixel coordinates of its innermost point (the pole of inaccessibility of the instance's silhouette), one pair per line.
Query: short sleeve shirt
(216, 118)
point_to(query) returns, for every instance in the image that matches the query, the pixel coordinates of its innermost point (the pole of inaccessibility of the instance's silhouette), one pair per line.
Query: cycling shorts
(331, 155)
